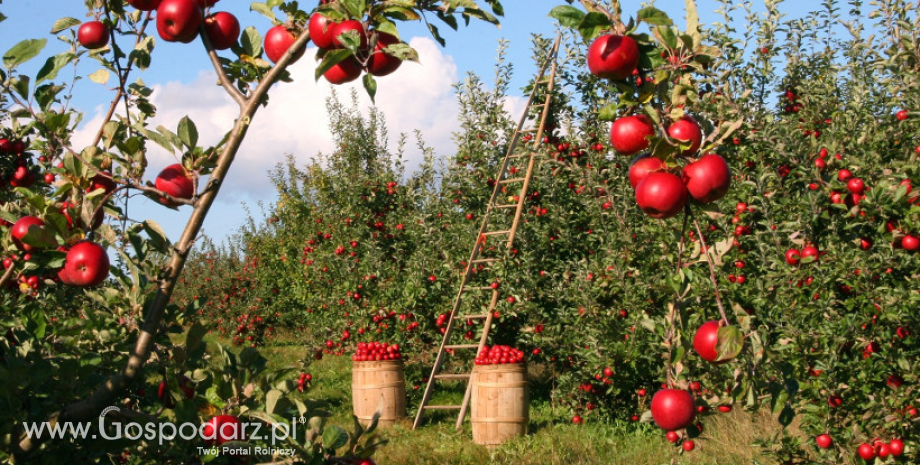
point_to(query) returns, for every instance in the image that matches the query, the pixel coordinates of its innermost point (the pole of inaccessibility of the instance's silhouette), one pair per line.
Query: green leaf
(53, 65)
(187, 132)
(194, 337)
(730, 343)
(23, 52)
(251, 42)
(263, 9)
(330, 59)
(21, 86)
(592, 25)
(334, 438)
(64, 23)
(786, 416)
(568, 16)
(271, 400)
(608, 112)
(157, 235)
(214, 398)
(370, 85)
(653, 17)
(665, 36)
(101, 76)
(436, 35)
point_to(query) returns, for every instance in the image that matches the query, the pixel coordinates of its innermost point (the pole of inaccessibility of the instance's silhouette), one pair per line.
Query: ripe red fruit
(344, 71)
(380, 63)
(810, 251)
(661, 195)
(608, 372)
(910, 243)
(223, 30)
(856, 186)
(688, 445)
(179, 20)
(628, 134)
(793, 256)
(844, 174)
(577, 420)
(824, 441)
(345, 26)
(221, 429)
(883, 451)
(103, 181)
(706, 340)
(93, 35)
(725, 408)
(897, 447)
(686, 130)
(144, 5)
(175, 181)
(21, 228)
(320, 28)
(866, 451)
(277, 41)
(901, 115)
(613, 57)
(641, 166)
(672, 409)
(834, 401)
(708, 178)
(672, 437)
(86, 264)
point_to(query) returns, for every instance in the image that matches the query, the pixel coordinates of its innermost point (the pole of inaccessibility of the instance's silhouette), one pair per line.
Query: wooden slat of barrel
(373, 381)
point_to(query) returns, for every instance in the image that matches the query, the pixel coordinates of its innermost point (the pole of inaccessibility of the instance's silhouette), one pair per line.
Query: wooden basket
(499, 403)
(372, 382)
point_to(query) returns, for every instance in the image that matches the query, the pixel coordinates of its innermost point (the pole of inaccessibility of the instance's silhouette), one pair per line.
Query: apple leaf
(250, 42)
(402, 51)
(665, 36)
(194, 336)
(568, 16)
(21, 85)
(23, 52)
(476, 13)
(608, 112)
(592, 25)
(271, 400)
(101, 76)
(264, 9)
(157, 236)
(334, 438)
(435, 34)
(653, 17)
(730, 343)
(40, 237)
(187, 132)
(370, 85)
(693, 20)
(330, 59)
(64, 23)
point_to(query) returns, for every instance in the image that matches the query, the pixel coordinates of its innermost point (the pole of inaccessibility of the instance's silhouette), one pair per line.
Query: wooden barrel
(499, 403)
(373, 382)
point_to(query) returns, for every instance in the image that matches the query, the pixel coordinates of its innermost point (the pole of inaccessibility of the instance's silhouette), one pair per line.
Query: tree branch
(221, 75)
(712, 270)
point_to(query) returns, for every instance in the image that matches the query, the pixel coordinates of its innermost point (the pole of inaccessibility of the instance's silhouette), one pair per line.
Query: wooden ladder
(531, 137)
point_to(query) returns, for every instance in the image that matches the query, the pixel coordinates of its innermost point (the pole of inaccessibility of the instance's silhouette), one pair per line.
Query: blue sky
(415, 97)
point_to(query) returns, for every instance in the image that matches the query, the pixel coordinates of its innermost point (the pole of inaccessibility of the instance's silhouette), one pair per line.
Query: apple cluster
(376, 352)
(497, 355)
(18, 173)
(661, 193)
(177, 21)
(86, 263)
(879, 449)
(325, 33)
(303, 381)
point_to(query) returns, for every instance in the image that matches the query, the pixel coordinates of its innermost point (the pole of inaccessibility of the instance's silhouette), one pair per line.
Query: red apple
(223, 30)
(93, 35)
(661, 195)
(688, 445)
(86, 264)
(178, 20)
(810, 251)
(21, 228)
(686, 130)
(345, 26)
(897, 447)
(706, 341)
(910, 243)
(856, 186)
(793, 257)
(708, 178)
(320, 28)
(613, 57)
(277, 41)
(844, 174)
(144, 5)
(672, 409)
(380, 63)
(628, 135)
(824, 441)
(175, 181)
(642, 166)
(866, 451)
(221, 429)
(102, 180)
(344, 71)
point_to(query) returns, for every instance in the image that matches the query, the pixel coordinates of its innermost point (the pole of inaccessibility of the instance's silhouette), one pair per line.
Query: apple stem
(712, 270)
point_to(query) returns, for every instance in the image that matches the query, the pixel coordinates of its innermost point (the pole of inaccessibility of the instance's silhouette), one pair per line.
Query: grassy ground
(727, 438)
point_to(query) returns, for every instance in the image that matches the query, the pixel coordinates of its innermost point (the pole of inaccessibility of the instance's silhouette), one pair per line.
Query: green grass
(726, 440)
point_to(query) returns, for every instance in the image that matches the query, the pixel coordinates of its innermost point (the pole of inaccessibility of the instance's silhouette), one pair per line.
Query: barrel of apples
(500, 397)
(377, 381)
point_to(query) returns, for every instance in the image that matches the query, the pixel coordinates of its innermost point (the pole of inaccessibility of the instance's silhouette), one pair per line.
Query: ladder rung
(486, 260)
(483, 288)
(441, 407)
(529, 130)
(543, 81)
(496, 233)
(475, 317)
(511, 180)
(535, 105)
(462, 346)
(510, 205)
